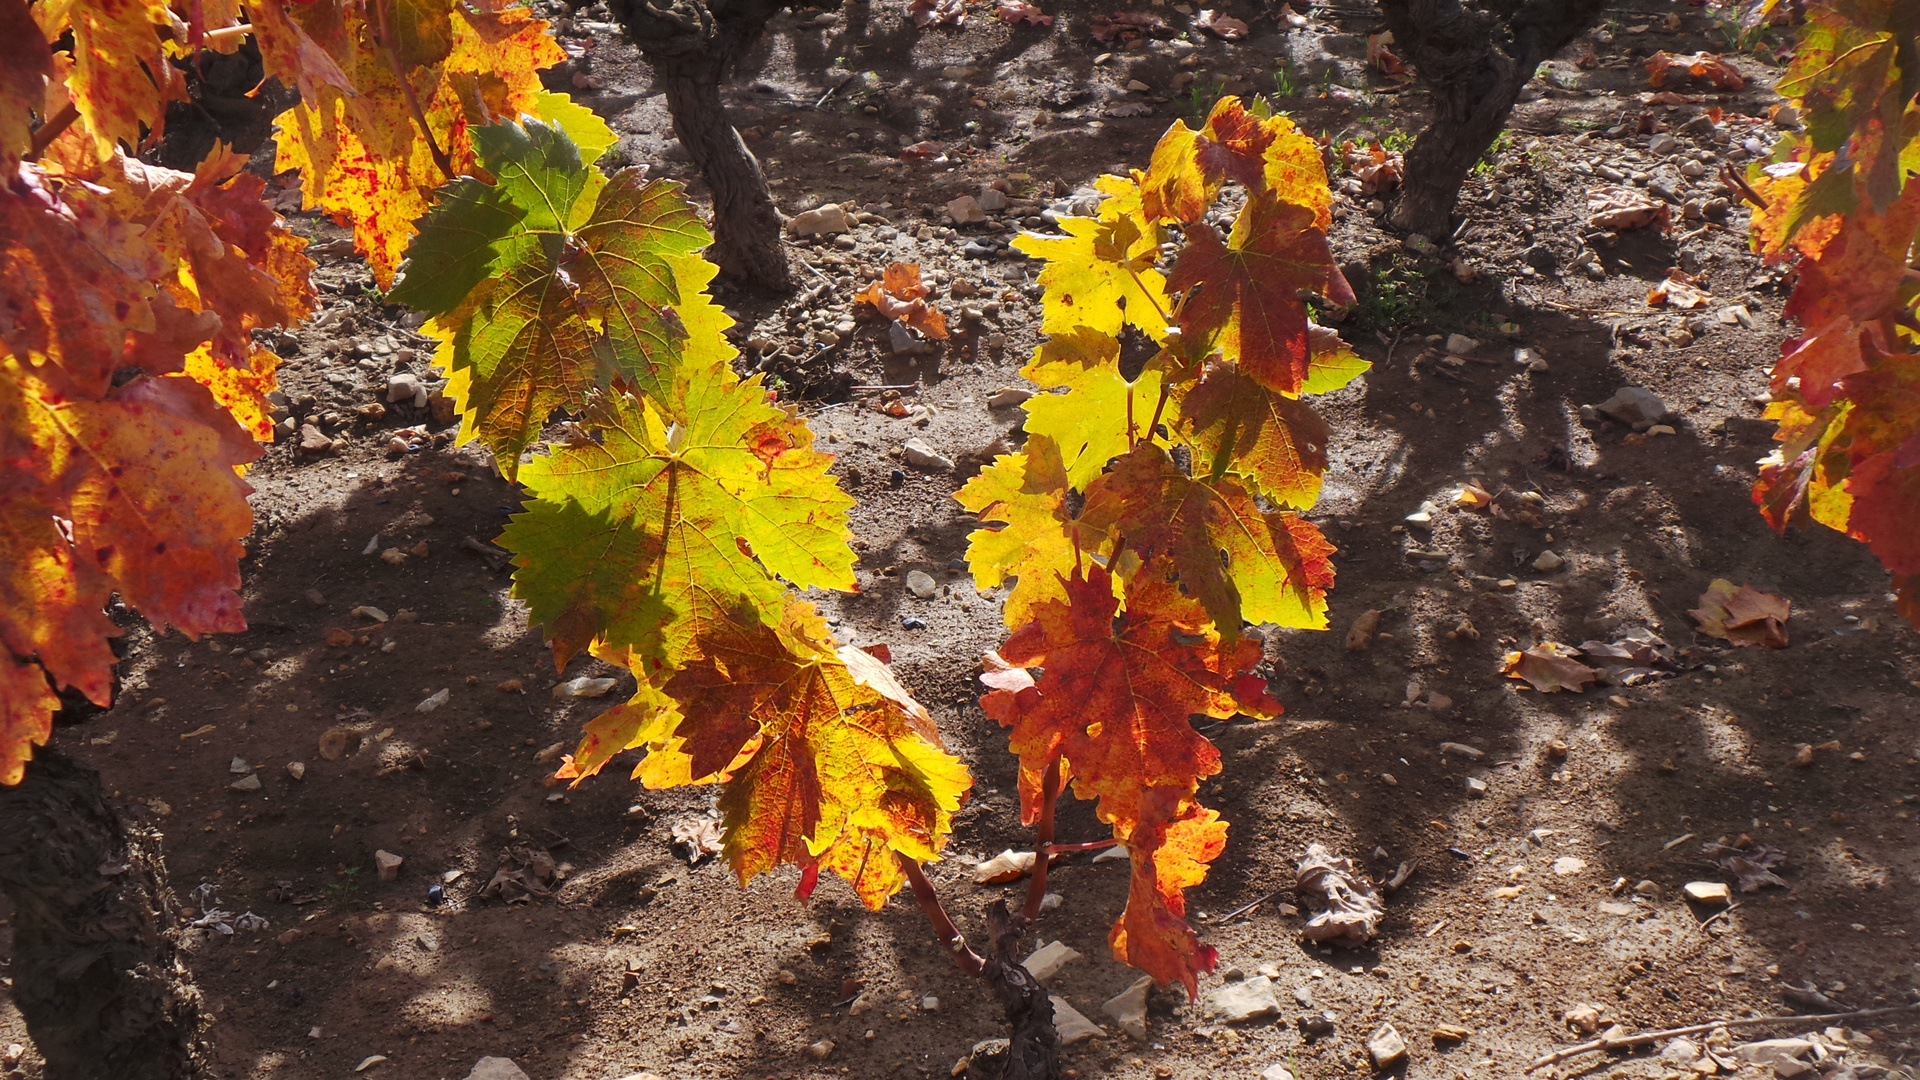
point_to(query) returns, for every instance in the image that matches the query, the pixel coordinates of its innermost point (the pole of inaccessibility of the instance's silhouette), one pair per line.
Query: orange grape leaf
(1270, 154)
(361, 155)
(1167, 857)
(1277, 444)
(1744, 616)
(26, 65)
(1549, 667)
(27, 706)
(686, 520)
(842, 769)
(899, 295)
(1112, 704)
(1248, 305)
(122, 80)
(1241, 562)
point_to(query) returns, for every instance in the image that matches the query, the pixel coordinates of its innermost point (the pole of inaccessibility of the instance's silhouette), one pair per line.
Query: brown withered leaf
(1744, 616)
(699, 839)
(900, 295)
(1752, 866)
(1353, 911)
(1616, 208)
(1549, 666)
(1663, 65)
(1221, 25)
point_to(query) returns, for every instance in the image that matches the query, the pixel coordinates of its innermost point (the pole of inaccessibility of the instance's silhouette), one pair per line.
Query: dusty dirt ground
(1526, 902)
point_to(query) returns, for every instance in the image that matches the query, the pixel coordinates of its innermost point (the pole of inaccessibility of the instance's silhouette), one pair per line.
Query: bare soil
(1524, 903)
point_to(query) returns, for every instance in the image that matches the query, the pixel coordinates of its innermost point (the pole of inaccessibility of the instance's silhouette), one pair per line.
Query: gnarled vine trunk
(95, 972)
(692, 46)
(1474, 58)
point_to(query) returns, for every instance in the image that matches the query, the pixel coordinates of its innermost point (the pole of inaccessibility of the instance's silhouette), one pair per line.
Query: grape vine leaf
(121, 79)
(657, 530)
(1113, 699)
(1248, 305)
(1100, 276)
(1026, 494)
(1276, 443)
(1101, 413)
(1239, 561)
(1171, 850)
(901, 296)
(1261, 153)
(532, 314)
(26, 65)
(362, 156)
(831, 764)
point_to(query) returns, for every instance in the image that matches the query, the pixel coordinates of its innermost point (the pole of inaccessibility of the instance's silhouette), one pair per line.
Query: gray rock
(1129, 1008)
(1476, 788)
(1385, 1047)
(1548, 562)
(312, 441)
(1247, 1000)
(921, 584)
(493, 1068)
(239, 767)
(966, 210)
(820, 221)
(1303, 995)
(249, 782)
(905, 342)
(1048, 959)
(1662, 145)
(405, 386)
(1634, 405)
(1317, 1025)
(921, 456)
(992, 199)
(1541, 257)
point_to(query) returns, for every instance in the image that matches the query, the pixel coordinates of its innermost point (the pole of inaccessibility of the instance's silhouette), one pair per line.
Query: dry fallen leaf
(1224, 26)
(1548, 667)
(1382, 59)
(1616, 208)
(900, 295)
(1744, 616)
(1353, 907)
(335, 742)
(1374, 166)
(1360, 634)
(936, 12)
(698, 839)
(1125, 24)
(1701, 65)
(1677, 295)
(1007, 866)
(1472, 496)
(1752, 866)
(1015, 12)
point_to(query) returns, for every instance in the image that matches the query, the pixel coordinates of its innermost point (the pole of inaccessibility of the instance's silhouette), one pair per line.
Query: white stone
(1008, 398)
(1709, 892)
(1048, 959)
(249, 782)
(991, 199)
(921, 584)
(1385, 1047)
(820, 221)
(1070, 1025)
(1276, 1072)
(1772, 1051)
(921, 456)
(1247, 1000)
(434, 701)
(1129, 1008)
(1568, 865)
(239, 767)
(1549, 562)
(1461, 344)
(583, 686)
(493, 1068)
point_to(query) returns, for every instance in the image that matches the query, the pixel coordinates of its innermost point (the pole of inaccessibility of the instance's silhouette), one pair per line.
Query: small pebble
(908, 622)
(922, 584)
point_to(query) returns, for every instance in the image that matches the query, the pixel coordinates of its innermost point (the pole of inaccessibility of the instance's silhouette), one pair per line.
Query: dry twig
(1641, 1039)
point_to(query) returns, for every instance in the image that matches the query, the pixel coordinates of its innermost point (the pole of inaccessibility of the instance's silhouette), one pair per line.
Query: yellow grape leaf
(843, 770)
(1268, 156)
(1239, 561)
(1026, 493)
(1331, 362)
(1100, 277)
(1101, 413)
(656, 531)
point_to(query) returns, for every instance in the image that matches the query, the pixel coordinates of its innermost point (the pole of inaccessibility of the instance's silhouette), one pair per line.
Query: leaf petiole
(951, 939)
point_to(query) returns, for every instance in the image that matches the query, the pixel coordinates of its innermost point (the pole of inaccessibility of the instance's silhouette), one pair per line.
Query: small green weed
(1283, 80)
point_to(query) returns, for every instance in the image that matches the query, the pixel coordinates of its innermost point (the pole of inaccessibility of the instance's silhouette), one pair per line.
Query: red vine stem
(951, 939)
(440, 157)
(1042, 843)
(1084, 845)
